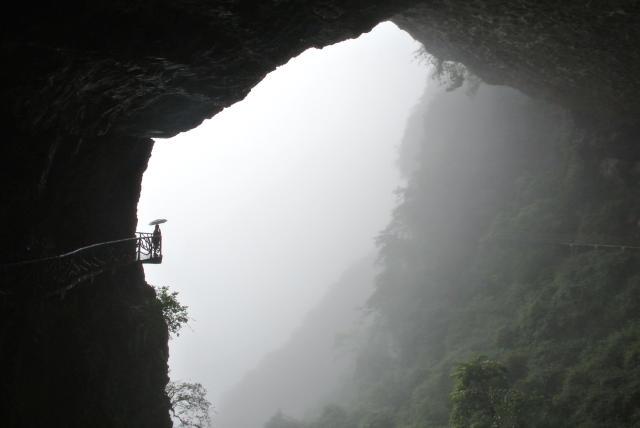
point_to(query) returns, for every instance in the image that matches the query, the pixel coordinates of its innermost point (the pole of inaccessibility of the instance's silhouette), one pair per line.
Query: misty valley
(475, 310)
(320, 214)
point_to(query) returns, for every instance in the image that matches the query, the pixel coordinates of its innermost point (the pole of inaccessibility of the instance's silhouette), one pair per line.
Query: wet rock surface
(86, 85)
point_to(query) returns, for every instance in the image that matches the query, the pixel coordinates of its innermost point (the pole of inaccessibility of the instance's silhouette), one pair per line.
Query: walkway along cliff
(56, 275)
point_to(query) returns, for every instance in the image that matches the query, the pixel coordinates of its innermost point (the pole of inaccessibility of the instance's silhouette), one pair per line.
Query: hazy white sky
(269, 201)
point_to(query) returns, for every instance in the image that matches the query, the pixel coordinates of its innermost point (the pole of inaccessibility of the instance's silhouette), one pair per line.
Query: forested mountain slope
(483, 317)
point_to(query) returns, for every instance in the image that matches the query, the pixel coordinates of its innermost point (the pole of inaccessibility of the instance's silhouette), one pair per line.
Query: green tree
(482, 396)
(174, 313)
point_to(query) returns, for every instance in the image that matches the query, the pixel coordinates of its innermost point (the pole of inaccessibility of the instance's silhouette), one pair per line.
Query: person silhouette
(156, 239)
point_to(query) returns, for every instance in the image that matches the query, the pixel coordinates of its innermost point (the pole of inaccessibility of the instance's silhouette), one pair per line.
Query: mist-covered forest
(482, 314)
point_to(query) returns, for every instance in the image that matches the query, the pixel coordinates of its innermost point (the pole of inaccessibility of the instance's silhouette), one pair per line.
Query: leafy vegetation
(174, 313)
(189, 404)
(450, 74)
(483, 396)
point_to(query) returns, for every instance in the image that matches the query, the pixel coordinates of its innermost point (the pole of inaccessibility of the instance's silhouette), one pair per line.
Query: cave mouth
(262, 197)
(87, 90)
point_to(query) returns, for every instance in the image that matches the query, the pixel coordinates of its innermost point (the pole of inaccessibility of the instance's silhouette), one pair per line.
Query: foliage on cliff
(474, 264)
(190, 407)
(175, 314)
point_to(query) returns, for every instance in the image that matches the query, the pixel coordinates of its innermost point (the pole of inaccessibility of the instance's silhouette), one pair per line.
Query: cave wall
(118, 73)
(86, 85)
(97, 358)
(580, 54)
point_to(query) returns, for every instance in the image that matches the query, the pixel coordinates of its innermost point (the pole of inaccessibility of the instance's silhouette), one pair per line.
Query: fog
(315, 366)
(271, 200)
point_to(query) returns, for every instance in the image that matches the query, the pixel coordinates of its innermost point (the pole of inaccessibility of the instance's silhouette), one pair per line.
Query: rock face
(85, 85)
(580, 54)
(98, 358)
